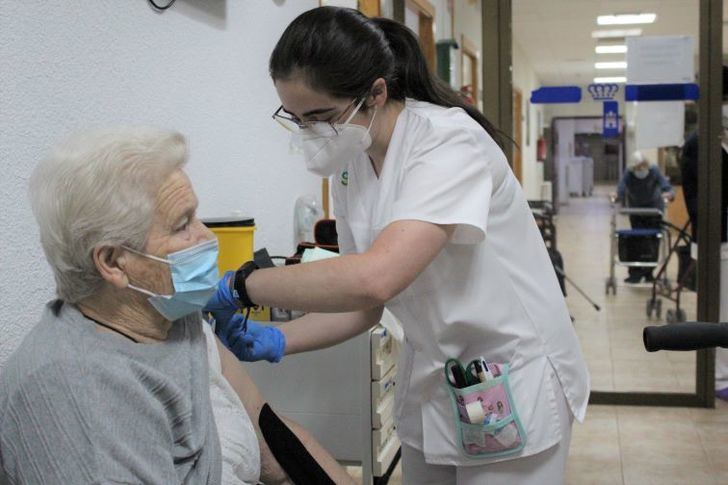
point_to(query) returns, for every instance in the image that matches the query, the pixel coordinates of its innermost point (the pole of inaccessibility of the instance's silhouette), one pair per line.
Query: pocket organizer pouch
(486, 416)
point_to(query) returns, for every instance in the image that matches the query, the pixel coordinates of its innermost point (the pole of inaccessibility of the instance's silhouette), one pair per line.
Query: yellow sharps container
(235, 237)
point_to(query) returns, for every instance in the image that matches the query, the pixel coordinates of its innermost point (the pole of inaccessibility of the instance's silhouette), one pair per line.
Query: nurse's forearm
(342, 284)
(357, 281)
(320, 330)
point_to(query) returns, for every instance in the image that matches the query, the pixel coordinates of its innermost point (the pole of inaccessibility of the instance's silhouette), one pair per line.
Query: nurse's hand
(260, 342)
(222, 305)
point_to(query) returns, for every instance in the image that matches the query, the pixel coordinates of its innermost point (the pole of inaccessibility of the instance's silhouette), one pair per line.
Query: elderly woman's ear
(111, 261)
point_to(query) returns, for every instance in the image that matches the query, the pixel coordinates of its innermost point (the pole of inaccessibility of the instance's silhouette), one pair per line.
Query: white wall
(412, 19)
(443, 20)
(200, 68)
(524, 79)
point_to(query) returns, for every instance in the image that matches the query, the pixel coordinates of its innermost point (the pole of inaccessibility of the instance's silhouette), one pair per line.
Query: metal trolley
(643, 248)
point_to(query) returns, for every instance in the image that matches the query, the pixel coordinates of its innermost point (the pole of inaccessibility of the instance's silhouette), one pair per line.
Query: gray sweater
(80, 406)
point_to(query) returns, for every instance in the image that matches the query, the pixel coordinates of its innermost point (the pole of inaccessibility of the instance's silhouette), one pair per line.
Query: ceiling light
(609, 34)
(611, 65)
(628, 19)
(610, 49)
(613, 79)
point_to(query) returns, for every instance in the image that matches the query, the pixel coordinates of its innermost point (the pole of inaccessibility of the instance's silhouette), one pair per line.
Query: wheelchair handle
(685, 336)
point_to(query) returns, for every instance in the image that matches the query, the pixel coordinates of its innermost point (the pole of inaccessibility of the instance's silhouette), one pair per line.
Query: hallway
(629, 444)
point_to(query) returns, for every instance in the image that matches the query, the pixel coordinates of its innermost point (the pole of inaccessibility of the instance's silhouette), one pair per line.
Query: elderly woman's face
(175, 227)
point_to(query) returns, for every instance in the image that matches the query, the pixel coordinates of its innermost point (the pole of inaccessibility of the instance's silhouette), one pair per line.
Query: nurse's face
(305, 104)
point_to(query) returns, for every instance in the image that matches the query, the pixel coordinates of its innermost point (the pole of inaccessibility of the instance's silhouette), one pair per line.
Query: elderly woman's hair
(99, 188)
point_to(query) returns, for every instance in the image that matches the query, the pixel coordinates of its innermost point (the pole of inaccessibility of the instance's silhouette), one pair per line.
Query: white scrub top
(491, 292)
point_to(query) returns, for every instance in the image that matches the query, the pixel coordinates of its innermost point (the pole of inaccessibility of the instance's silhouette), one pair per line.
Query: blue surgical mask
(194, 276)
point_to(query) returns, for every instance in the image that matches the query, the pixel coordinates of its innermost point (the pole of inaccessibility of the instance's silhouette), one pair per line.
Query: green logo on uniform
(345, 178)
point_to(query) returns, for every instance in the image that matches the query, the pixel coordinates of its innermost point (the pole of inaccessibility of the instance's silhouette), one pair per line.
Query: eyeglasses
(293, 124)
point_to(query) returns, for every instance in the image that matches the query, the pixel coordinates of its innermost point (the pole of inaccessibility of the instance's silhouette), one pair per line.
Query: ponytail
(413, 78)
(342, 52)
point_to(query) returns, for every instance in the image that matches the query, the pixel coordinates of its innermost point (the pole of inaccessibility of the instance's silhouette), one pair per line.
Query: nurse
(432, 225)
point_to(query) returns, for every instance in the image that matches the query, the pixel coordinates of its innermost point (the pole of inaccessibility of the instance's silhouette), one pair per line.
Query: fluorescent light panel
(618, 33)
(610, 79)
(627, 19)
(611, 65)
(610, 49)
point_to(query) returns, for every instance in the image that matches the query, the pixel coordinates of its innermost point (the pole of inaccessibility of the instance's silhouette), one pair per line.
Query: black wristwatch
(239, 290)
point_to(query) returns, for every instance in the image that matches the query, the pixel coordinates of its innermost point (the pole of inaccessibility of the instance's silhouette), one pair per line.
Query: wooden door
(426, 13)
(370, 8)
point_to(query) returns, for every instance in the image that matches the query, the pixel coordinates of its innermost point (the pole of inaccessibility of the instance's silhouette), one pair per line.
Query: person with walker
(434, 226)
(644, 186)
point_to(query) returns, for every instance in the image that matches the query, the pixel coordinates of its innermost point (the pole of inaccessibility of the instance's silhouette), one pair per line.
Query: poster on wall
(664, 59)
(660, 124)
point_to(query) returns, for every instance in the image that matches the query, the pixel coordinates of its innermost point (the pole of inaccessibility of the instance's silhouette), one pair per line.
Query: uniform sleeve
(53, 431)
(449, 181)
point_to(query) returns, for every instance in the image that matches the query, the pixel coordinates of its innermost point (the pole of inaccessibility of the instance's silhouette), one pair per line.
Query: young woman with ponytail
(432, 225)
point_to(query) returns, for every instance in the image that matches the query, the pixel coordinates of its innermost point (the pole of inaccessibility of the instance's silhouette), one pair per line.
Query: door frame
(426, 13)
(469, 53)
(517, 165)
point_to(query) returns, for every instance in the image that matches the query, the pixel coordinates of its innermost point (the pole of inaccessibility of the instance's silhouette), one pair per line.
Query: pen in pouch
(486, 370)
(479, 370)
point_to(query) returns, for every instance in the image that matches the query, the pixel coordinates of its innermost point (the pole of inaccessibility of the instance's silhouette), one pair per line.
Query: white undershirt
(238, 441)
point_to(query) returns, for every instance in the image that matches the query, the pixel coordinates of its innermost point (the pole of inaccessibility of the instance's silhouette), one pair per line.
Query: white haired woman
(121, 381)
(643, 186)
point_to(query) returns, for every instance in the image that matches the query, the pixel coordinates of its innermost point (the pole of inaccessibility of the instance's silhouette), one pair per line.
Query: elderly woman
(121, 381)
(643, 186)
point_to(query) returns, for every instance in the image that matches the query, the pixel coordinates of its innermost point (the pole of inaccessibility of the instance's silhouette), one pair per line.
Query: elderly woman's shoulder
(53, 358)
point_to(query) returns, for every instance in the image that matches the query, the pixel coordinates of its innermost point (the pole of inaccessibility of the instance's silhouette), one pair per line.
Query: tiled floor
(644, 446)
(640, 446)
(623, 444)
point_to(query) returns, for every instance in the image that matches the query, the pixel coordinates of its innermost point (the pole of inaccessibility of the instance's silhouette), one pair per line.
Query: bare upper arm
(401, 252)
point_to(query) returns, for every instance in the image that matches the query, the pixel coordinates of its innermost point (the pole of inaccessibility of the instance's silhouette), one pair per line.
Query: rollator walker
(637, 247)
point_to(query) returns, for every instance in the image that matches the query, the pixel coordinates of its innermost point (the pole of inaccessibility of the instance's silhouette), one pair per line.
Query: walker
(643, 248)
(662, 287)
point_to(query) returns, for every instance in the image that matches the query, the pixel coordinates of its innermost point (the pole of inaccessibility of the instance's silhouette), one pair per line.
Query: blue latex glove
(222, 305)
(260, 342)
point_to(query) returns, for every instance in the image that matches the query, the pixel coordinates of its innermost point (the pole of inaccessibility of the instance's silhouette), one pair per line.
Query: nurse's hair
(99, 188)
(342, 52)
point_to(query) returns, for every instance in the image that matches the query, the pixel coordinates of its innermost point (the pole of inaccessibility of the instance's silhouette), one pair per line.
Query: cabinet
(343, 395)
(580, 176)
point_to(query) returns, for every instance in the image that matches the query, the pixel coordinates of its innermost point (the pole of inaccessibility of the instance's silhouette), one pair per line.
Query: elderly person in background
(121, 380)
(643, 186)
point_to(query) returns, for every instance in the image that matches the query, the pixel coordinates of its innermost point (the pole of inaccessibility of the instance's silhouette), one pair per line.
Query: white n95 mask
(327, 150)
